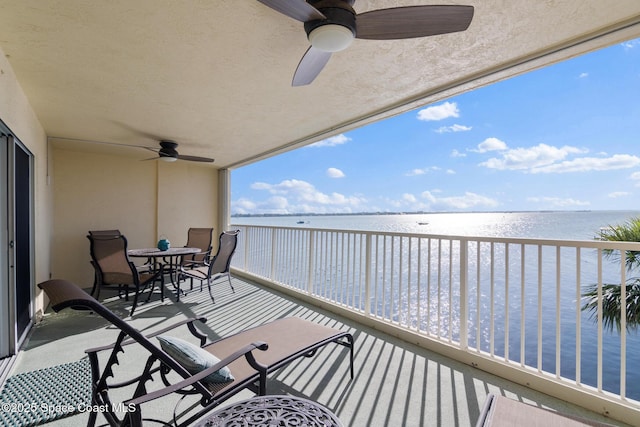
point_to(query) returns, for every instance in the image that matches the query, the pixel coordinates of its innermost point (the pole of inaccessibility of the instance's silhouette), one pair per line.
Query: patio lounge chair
(500, 411)
(280, 342)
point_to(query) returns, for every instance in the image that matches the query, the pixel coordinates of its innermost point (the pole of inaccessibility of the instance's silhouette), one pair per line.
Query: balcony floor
(396, 383)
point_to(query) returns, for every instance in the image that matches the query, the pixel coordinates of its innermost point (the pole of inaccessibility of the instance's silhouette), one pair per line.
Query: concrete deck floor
(395, 384)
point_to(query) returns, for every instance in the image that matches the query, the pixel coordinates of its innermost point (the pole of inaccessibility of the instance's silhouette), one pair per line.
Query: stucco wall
(79, 191)
(17, 114)
(142, 199)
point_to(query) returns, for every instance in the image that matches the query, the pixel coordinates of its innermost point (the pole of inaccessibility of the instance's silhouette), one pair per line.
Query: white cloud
(467, 201)
(531, 158)
(439, 112)
(451, 172)
(243, 206)
(335, 173)
(332, 141)
(635, 177)
(296, 196)
(583, 75)
(558, 202)
(631, 44)
(409, 198)
(456, 153)
(589, 164)
(418, 171)
(616, 194)
(491, 144)
(453, 128)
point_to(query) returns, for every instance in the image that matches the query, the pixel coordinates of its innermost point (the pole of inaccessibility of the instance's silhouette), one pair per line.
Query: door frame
(11, 338)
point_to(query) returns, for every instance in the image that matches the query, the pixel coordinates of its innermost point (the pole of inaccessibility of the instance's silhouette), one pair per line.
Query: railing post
(464, 286)
(312, 245)
(367, 277)
(245, 236)
(273, 252)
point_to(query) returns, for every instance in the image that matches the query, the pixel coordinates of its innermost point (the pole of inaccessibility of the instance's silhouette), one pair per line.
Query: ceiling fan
(168, 152)
(331, 26)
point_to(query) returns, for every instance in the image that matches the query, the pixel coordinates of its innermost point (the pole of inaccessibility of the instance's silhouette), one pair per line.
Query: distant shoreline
(419, 213)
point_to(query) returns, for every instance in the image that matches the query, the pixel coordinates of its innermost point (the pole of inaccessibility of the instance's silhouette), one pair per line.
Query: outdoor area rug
(37, 397)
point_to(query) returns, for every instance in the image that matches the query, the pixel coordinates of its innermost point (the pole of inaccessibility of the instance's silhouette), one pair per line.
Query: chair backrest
(109, 254)
(227, 246)
(105, 233)
(199, 238)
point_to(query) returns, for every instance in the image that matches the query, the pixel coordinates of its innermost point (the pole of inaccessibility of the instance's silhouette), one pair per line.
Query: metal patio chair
(197, 238)
(113, 267)
(216, 267)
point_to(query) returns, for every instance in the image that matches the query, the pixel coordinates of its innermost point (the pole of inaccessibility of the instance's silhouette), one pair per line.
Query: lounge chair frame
(253, 376)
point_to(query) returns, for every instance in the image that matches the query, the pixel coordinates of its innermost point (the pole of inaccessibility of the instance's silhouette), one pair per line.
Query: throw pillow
(194, 359)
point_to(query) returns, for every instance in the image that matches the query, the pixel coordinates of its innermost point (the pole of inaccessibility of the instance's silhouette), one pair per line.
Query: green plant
(612, 293)
(611, 304)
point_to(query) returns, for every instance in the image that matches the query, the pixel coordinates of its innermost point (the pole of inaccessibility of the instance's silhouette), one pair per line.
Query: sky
(565, 137)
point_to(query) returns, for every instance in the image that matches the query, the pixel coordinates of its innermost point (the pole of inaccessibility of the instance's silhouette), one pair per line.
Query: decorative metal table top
(277, 411)
(157, 253)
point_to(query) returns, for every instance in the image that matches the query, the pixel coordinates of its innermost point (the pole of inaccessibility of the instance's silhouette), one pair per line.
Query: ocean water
(581, 225)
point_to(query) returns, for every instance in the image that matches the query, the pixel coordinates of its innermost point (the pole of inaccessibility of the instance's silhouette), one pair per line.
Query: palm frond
(627, 232)
(611, 304)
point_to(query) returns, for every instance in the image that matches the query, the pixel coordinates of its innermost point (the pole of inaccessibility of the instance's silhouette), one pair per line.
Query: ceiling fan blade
(310, 66)
(413, 21)
(91, 141)
(299, 10)
(195, 158)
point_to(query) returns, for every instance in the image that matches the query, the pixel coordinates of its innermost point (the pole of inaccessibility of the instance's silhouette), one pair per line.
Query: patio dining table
(273, 410)
(165, 260)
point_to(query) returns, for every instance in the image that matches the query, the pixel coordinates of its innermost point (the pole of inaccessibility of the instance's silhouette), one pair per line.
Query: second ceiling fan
(169, 153)
(331, 26)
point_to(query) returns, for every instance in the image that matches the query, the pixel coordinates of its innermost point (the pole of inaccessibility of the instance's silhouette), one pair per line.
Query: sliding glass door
(6, 347)
(16, 243)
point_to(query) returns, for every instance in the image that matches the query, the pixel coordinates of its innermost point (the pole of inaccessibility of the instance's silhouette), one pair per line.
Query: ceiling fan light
(331, 37)
(168, 158)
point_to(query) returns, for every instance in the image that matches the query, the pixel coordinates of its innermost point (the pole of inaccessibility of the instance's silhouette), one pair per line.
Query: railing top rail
(594, 244)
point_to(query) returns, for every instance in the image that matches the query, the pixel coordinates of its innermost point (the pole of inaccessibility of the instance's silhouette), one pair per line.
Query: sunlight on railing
(514, 301)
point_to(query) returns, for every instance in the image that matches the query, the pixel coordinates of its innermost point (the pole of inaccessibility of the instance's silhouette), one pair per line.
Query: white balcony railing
(515, 302)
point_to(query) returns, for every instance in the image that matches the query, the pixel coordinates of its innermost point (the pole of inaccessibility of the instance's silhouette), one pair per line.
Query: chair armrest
(189, 322)
(244, 351)
(193, 264)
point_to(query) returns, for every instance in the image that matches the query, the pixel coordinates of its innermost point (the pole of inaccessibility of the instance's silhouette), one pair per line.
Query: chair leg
(135, 302)
(95, 285)
(98, 287)
(209, 287)
(153, 286)
(230, 284)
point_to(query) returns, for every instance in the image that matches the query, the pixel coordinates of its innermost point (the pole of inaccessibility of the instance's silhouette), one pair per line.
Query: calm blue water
(545, 225)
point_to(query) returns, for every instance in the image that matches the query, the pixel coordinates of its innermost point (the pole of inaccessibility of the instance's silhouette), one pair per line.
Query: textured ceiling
(216, 75)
